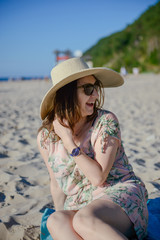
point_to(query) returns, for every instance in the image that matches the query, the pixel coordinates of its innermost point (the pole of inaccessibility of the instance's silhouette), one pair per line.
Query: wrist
(73, 149)
(75, 152)
(70, 146)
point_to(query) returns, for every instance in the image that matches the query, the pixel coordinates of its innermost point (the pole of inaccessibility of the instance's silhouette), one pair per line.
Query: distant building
(62, 55)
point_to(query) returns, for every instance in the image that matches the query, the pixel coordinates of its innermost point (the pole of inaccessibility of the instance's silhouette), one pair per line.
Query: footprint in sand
(157, 166)
(140, 162)
(24, 141)
(22, 185)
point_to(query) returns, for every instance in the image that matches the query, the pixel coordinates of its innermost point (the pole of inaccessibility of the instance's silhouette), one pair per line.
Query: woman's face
(86, 103)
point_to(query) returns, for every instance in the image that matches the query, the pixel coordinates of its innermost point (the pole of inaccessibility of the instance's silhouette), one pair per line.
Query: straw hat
(73, 69)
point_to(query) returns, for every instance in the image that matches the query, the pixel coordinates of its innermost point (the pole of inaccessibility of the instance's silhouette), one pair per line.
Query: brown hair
(66, 106)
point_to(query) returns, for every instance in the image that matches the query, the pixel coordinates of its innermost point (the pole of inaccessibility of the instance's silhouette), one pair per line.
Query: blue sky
(30, 30)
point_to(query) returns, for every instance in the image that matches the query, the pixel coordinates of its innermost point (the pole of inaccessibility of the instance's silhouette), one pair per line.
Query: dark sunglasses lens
(88, 89)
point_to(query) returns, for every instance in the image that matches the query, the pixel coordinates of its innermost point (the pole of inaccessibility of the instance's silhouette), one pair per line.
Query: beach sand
(24, 180)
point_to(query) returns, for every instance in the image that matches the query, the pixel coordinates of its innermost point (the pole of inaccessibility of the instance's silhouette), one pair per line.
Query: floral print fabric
(121, 185)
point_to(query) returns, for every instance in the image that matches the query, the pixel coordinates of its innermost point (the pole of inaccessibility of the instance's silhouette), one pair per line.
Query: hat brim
(108, 77)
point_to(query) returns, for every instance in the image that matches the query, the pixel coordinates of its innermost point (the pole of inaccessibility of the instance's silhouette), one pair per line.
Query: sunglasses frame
(88, 85)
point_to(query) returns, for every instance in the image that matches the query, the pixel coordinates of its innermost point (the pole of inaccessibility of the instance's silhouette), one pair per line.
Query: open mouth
(90, 104)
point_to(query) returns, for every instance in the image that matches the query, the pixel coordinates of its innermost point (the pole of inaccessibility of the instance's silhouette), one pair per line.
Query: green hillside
(138, 45)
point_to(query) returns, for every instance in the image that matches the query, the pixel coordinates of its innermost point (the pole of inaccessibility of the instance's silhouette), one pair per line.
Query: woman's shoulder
(106, 124)
(106, 121)
(46, 137)
(104, 115)
(44, 133)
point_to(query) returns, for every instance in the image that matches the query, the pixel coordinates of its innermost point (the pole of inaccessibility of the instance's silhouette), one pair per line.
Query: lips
(90, 104)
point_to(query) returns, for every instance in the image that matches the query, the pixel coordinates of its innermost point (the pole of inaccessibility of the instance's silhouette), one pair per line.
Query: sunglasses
(89, 88)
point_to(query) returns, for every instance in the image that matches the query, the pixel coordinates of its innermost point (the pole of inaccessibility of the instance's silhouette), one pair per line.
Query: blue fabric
(153, 223)
(45, 235)
(154, 219)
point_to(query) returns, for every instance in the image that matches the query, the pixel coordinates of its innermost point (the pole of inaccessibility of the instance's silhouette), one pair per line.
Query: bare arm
(58, 195)
(96, 171)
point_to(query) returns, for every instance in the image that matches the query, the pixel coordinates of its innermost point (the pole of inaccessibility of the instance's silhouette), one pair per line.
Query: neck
(79, 126)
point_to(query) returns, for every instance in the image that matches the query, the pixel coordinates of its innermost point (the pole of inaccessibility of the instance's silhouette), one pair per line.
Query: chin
(88, 114)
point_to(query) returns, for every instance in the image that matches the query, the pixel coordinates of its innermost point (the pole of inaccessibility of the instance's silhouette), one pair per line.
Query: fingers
(56, 124)
(64, 122)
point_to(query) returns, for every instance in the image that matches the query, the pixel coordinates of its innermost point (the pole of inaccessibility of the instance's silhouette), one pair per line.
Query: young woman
(95, 191)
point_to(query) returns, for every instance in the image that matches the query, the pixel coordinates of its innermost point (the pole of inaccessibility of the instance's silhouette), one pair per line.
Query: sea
(7, 79)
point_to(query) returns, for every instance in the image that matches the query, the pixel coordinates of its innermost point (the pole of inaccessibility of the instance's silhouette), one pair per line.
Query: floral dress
(121, 186)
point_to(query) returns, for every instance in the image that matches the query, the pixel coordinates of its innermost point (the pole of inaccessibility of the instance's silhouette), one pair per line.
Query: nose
(95, 93)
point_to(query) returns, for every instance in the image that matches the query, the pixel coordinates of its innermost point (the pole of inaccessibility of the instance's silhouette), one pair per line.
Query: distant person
(123, 71)
(135, 70)
(95, 191)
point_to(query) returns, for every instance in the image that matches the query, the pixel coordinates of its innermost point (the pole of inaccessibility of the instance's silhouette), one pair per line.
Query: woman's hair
(65, 106)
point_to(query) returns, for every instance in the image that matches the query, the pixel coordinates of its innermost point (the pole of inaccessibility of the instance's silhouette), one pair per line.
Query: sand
(24, 180)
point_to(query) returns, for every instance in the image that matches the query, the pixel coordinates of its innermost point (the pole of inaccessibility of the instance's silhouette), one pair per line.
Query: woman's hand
(65, 133)
(61, 131)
